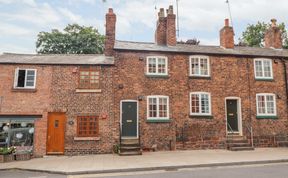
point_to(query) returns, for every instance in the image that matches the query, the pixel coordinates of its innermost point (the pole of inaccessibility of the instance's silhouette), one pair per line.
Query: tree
(254, 35)
(74, 39)
(193, 41)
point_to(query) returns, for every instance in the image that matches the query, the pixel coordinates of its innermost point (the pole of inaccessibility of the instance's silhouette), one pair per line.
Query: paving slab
(109, 163)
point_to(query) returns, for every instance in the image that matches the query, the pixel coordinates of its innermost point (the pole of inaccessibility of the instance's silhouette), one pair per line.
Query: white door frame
(239, 114)
(136, 119)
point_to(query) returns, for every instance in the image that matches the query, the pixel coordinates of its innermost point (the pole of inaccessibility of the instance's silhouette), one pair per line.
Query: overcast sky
(22, 20)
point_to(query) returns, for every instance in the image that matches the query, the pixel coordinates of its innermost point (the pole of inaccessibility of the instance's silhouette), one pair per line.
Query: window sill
(264, 79)
(88, 90)
(267, 117)
(158, 120)
(32, 90)
(156, 76)
(200, 77)
(200, 116)
(86, 138)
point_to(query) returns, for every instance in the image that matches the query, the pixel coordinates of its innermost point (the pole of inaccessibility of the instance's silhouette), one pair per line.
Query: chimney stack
(273, 36)
(110, 32)
(227, 36)
(165, 33)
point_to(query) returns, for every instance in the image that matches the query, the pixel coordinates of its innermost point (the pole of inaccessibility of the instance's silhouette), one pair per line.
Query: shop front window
(18, 133)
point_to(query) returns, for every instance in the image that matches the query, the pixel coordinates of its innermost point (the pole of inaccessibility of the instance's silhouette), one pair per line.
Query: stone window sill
(88, 90)
(86, 138)
(264, 79)
(201, 116)
(158, 120)
(156, 76)
(32, 90)
(200, 77)
(267, 117)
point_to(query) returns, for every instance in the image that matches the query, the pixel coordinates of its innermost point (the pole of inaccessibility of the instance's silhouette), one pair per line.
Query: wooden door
(232, 115)
(129, 119)
(56, 133)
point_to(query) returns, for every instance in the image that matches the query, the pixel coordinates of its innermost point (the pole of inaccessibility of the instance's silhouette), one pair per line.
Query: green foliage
(254, 35)
(74, 39)
(7, 151)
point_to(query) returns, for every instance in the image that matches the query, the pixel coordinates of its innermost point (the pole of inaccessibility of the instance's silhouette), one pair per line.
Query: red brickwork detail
(110, 32)
(227, 36)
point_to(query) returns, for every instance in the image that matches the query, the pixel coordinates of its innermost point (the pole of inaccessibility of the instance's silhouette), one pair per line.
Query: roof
(200, 49)
(56, 59)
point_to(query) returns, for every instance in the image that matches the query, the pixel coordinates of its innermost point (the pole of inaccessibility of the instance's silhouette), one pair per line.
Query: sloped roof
(55, 59)
(199, 49)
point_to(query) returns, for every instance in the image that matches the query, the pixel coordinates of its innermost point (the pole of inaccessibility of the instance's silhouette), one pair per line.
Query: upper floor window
(158, 107)
(199, 66)
(157, 65)
(266, 104)
(200, 103)
(89, 77)
(263, 69)
(87, 126)
(25, 78)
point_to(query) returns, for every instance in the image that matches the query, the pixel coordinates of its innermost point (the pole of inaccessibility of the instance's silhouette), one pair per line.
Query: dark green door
(129, 119)
(232, 115)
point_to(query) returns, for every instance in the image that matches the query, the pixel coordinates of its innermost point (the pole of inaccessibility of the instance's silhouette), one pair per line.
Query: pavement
(149, 161)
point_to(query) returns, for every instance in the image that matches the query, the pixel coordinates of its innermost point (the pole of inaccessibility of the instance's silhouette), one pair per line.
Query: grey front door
(129, 118)
(232, 115)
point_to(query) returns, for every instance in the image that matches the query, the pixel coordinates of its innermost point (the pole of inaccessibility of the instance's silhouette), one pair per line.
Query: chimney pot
(274, 22)
(170, 10)
(110, 10)
(161, 13)
(226, 22)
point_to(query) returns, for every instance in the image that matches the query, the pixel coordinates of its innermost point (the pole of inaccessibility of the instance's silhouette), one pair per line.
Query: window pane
(152, 107)
(205, 104)
(162, 65)
(163, 107)
(270, 104)
(258, 67)
(21, 78)
(204, 66)
(195, 66)
(267, 68)
(261, 104)
(152, 65)
(195, 103)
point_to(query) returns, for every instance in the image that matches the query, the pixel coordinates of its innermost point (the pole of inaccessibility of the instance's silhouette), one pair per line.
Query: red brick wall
(230, 76)
(65, 98)
(24, 102)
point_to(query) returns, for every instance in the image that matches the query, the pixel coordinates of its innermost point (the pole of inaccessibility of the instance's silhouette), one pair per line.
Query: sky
(22, 20)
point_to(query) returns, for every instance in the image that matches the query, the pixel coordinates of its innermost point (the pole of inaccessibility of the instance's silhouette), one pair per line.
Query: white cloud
(70, 15)
(13, 48)
(13, 30)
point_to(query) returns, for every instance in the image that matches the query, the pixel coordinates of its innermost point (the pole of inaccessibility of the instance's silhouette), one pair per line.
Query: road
(254, 171)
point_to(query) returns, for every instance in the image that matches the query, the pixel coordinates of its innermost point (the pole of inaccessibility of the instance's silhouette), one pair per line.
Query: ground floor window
(266, 104)
(158, 107)
(87, 126)
(200, 103)
(17, 132)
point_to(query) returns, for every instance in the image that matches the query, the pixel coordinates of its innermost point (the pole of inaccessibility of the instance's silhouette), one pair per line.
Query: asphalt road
(254, 171)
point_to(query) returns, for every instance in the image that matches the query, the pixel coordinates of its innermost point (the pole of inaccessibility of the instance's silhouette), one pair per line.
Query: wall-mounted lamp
(71, 122)
(120, 86)
(140, 97)
(278, 96)
(141, 58)
(275, 61)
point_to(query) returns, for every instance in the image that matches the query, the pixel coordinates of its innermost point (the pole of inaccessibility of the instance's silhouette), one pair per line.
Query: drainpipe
(286, 80)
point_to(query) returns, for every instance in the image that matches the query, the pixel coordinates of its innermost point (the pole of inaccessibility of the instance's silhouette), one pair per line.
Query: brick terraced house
(142, 96)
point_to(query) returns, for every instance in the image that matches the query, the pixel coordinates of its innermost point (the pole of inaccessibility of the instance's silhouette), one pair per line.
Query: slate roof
(199, 49)
(55, 59)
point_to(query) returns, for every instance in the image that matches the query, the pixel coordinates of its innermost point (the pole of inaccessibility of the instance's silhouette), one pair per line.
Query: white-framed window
(263, 68)
(200, 103)
(157, 107)
(157, 65)
(199, 66)
(266, 104)
(25, 78)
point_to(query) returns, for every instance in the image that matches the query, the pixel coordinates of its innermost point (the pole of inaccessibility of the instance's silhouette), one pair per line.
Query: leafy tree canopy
(254, 35)
(74, 39)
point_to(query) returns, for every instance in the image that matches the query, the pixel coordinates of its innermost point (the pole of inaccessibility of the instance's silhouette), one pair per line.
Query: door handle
(128, 121)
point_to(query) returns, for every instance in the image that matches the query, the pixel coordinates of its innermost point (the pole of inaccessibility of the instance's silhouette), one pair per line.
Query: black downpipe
(286, 81)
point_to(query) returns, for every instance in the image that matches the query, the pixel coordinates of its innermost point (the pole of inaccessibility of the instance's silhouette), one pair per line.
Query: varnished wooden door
(56, 133)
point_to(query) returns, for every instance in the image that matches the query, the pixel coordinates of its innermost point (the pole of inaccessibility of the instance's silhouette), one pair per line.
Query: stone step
(130, 153)
(237, 141)
(282, 143)
(129, 141)
(241, 148)
(129, 148)
(246, 144)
